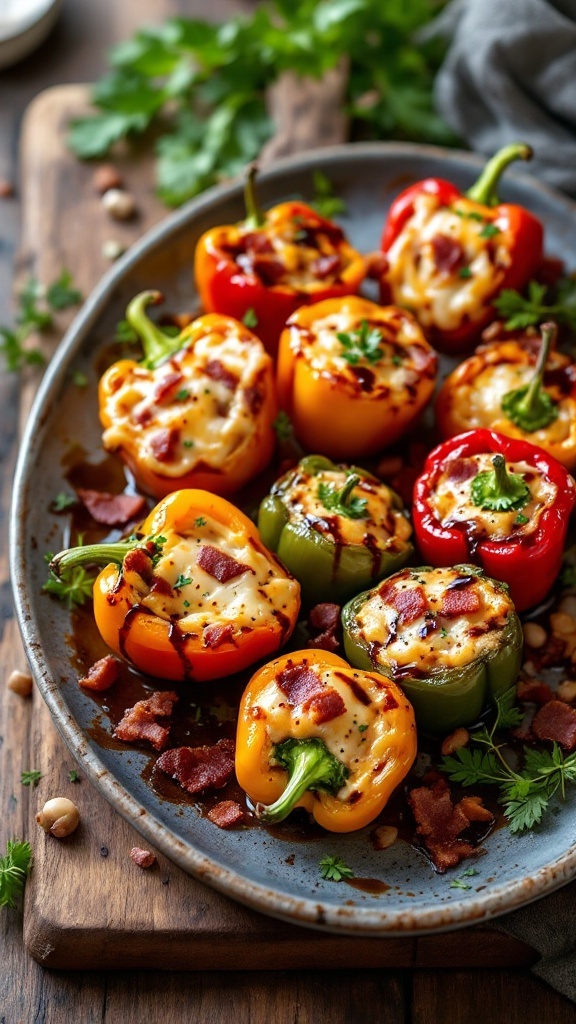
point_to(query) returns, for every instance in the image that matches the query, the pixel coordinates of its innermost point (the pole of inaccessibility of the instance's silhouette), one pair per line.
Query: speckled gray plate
(250, 865)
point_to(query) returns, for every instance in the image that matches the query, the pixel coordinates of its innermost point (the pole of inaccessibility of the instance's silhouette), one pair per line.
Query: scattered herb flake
(73, 775)
(182, 395)
(30, 778)
(14, 869)
(333, 869)
(363, 343)
(62, 294)
(200, 521)
(325, 202)
(182, 581)
(188, 443)
(490, 231)
(465, 273)
(250, 319)
(521, 520)
(283, 426)
(62, 502)
(79, 379)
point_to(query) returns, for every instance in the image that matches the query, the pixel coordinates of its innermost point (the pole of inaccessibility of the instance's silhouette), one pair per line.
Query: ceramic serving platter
(269, 872)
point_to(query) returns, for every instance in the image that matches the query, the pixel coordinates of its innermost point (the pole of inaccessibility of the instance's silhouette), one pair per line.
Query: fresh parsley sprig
(35, 308)
(202, 85)
(31, 778)
(525, 794)
(363, 343)
(520, 311)
(14, 869)
(73, 587)
(333, 869)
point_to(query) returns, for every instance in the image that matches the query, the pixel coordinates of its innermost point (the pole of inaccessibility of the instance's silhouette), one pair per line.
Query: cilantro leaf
(363, 343)
(62, 294)
(333, 869)
(14, 869)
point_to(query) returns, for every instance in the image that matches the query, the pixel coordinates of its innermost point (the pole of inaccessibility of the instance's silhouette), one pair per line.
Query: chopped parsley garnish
(250, 319)
(362, 728)
(490, 231)
(363, 343)
(283, 426)
(521, 520)
(63, 501)
(14, 869)
(182, 395)
(182, 581)
(73, 586)
(200, 521)
(341, 501)
(465, 272)
(73, 775)
(333, 869)
(36, 306)
(30, 778)
(188, 444)
(80, 379)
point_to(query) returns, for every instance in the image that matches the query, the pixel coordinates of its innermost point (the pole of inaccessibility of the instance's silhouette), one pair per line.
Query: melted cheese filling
(481, 401)
(382, 526)
(249, 600)
(324, 352)
(348, 737)
(441, 298)
(456, 642)
(299, 259)
(451, 500)
(213, 421)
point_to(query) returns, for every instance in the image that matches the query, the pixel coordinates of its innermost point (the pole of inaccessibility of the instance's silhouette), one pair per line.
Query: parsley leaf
(63, 501)
(283, 426)
(250, 319)
(333, 869)
(325, 202)
(182, 581)
(341, 501)
(31, 778)
(521, 311)
(62, 294)
(73, 775)
(364, 343)
(14, 869)
(73, 586)
(34, 314)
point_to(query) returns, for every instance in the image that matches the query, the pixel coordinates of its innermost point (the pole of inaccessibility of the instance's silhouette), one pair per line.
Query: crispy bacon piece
(410, 603)
(270, 271)
(440, 823)
(166, 385)
(325, 618)
(140, 562)
(459, 602)
(326, 266)
(143, 858)
(299, 684)
(111, 509)
(325, 706)
(217, 634)
(219, 565)
(534, 691)
(199, 768)
(254, 397)
(148, 720)
(448, 253)
(225, 814)
(163, 444)
(217, 371)
(102, 675)
(556, 721)
(460, 470)
(257, 241)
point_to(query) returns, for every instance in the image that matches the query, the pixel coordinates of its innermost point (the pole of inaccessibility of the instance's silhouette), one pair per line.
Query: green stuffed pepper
(337, 529)
(450, 637)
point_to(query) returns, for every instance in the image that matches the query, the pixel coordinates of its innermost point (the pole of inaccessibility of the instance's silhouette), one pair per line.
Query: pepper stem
(91, 554)
(498, 490)
(346, 493)
(156, 344)
(254, 216)
(310, 766)
(484, 189)
(531, 407)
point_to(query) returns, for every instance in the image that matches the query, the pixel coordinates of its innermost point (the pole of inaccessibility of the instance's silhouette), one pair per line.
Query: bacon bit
(111, 509)
(199, 768)
(254, 398)
(257, 241)
(473, 808)
(215, 635)
(219, 565)
(217, 371)
(143, 858)
(299, 683)
(460, 470)
(166, 385)
(159, 585)
(270, 271)
(459, 602)
(325, 618)
(556, 721)
(440, 823)
(142, 414)
(141, 721)
(140, 562)
(325, 706)
(534, 691)
(410, 603)
(102, 675)
(326, 266)
(163, 444)
(448, 254)
(225, 814)
(377, 266)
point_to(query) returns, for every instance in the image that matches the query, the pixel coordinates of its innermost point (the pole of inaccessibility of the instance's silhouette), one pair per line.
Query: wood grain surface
(101, 911)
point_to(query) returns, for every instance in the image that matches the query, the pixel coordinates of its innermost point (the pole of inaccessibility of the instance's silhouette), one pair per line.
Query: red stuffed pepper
(264, 268)
(499, 502)
(450, 254)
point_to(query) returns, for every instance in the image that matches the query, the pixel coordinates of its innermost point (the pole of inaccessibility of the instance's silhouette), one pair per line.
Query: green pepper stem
(310, 766)
(156, 344)
(503, 480)
(499, 490)
(91, 554)
(531, 407)
(346, 493)
(484, 189)
(254, 216)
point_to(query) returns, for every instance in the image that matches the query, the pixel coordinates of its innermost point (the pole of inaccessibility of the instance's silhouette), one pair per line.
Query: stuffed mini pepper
(338, 529)
(450, 254)
(193, 594)
(522, 387)
(264, 268)
(353, 376)
(449, 637)
(197, 411)
(502, 503)
(315, 733)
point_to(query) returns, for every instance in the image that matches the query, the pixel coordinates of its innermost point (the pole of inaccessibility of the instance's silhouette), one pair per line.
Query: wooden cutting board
(88, 906)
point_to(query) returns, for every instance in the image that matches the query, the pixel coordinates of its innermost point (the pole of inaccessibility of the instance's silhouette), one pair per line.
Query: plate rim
(356, 920)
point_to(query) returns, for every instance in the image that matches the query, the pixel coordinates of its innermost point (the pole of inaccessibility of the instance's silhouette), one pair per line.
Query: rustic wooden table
(28, 992)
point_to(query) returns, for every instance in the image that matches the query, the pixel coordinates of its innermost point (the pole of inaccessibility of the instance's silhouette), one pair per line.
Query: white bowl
(24, 25)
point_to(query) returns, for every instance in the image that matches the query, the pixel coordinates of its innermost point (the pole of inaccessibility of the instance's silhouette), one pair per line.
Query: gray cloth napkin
(510, 76)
